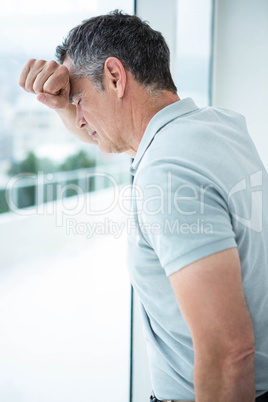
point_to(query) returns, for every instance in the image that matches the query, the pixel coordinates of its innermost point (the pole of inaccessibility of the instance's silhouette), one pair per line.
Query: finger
(50, 69)
(58, 81)
(25, 72)
(40, 80)
(53, 101)
(35, 66)
(47, 68)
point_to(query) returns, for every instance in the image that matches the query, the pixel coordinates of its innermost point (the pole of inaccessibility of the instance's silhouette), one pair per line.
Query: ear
(115, 75)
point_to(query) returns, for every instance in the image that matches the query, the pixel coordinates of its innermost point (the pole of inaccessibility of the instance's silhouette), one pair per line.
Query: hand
(49, 80)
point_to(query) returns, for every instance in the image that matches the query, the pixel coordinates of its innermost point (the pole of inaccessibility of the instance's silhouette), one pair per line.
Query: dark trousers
(262, 398)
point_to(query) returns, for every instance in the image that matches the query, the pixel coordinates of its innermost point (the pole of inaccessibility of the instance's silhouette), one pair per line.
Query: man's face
(97, 112)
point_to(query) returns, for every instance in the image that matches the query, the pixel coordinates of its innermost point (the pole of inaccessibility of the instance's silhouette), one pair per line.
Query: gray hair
(142, 50)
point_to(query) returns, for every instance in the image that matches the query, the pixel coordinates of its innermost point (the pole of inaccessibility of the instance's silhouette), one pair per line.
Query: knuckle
(39, 63)
(30, 62)
(63, 69)
(63, 73)
(51, 64)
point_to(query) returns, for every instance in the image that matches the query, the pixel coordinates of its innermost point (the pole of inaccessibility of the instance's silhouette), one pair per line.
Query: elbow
(236, 362)
(240, 359)
(238, 371)
(241, 349)
(234, 356)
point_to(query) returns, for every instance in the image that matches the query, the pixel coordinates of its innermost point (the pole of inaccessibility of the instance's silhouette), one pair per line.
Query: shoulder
(197, 145)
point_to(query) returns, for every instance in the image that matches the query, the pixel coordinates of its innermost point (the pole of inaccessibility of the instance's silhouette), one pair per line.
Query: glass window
(192, 60)
(64, 287)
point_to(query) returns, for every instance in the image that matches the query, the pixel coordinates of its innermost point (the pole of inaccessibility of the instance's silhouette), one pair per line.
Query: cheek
(93, 108)
(89, 114)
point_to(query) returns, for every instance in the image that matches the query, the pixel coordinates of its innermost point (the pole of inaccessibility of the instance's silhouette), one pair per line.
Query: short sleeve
(182, 214)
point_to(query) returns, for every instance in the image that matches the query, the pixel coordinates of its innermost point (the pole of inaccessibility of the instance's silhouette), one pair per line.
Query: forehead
(78, 88)
(69, 64)
(77, 85)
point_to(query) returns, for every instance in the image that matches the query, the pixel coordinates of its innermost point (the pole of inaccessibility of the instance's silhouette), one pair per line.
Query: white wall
(240, 78)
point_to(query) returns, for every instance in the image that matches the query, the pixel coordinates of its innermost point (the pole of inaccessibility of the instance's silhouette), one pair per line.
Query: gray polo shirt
(199, 188)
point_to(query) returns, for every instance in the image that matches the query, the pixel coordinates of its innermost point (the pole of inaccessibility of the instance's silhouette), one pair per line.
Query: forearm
(231, 381)
(68, 117)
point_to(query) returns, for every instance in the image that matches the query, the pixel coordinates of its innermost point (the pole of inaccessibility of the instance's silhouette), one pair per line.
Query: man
(198, 254)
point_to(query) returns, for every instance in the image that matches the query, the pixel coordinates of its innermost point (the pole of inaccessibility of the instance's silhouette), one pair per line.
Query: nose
(80, 121)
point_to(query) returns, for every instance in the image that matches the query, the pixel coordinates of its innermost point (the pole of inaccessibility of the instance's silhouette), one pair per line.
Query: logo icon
(255, 220)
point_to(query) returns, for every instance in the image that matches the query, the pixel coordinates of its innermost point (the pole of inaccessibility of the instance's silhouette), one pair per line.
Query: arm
(50, 82)
(210, 295)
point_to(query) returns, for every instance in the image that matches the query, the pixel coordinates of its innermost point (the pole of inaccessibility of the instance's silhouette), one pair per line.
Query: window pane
(193, 50)
(64, 287)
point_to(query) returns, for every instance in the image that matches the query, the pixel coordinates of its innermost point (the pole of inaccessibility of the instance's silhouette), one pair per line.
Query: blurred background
(69, 321)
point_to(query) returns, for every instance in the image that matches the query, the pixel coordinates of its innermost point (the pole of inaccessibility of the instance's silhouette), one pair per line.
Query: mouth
(93, 134)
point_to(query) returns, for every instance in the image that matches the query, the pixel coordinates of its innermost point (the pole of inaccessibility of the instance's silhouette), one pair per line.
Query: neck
(143, 107)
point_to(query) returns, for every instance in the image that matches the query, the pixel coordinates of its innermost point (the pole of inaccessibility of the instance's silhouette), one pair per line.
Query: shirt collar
(160, 120)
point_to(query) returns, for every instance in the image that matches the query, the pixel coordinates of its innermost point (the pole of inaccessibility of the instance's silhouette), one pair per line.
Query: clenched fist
(48, 80)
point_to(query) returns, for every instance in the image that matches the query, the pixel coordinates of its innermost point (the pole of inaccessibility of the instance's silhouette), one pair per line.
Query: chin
(109, 149)
(106, 150)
